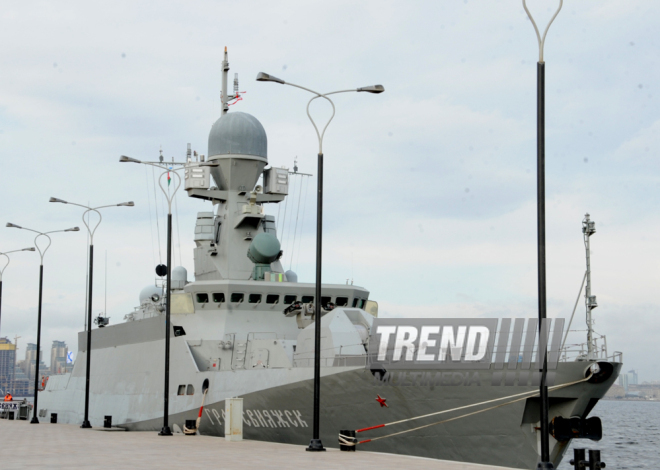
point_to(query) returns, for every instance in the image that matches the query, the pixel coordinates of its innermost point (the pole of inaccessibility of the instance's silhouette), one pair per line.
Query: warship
(245, 328)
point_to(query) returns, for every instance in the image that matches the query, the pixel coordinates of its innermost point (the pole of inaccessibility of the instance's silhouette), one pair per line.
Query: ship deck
(46, 445)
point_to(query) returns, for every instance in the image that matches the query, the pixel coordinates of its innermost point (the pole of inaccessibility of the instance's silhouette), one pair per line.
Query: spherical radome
(238, 134)
(147, 292)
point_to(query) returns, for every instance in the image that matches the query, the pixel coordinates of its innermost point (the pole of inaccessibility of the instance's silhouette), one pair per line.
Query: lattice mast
(588, 229)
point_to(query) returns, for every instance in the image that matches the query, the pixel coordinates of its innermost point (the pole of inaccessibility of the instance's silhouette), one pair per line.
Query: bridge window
(202, 298)
(307, 299)
(342, 301)
(191, 390)
(272, 298)
(219, 297)
(359, 303)
(254, 298)
(325, 300)
(237, 297)
(182, 390)
(289, 299)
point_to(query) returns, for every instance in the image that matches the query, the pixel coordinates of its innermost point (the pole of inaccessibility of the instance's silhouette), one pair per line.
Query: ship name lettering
(255, 423)
(288, 416)
(261, 419)
(303, 424)
(209, 415)
(271, 423)
(217, 415)
(280, 422)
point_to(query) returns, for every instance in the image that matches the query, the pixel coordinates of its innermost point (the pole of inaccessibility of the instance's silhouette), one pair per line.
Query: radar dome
(264, 249)
(291, 276)
(238, 134)
(148, 292)
(179, 277)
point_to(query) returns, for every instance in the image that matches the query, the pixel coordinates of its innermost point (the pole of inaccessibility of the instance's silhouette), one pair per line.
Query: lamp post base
(165, 431)
(315, 445)
(86, 425)
(545, 465)
(34, 420)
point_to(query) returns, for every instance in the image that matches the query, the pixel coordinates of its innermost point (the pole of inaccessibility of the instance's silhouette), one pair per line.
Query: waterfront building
(58, 355)
(7, 364)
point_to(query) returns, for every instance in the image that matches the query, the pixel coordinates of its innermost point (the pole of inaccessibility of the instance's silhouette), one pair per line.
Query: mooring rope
(352, 441)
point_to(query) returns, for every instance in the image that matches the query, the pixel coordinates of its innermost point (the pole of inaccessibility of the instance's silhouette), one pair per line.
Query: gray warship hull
(127, 384)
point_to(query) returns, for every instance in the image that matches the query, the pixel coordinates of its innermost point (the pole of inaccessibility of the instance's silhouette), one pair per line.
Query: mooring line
(351, 441)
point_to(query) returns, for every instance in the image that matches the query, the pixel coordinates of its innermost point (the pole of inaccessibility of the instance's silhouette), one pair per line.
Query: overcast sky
(430, 187)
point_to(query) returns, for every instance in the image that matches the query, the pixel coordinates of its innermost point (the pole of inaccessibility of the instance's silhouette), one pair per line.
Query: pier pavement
(31, 446)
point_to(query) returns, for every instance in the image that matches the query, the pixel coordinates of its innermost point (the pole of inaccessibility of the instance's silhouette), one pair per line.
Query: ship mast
(225, 72)
(588, 229)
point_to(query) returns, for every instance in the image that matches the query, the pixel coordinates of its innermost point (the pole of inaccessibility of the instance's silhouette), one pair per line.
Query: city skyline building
(58, 354)
(7, 364)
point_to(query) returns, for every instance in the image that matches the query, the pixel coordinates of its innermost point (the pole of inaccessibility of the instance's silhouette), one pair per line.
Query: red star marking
(382, 401)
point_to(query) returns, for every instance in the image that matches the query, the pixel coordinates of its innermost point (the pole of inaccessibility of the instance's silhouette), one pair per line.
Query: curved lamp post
(316, 444)
(2, 270)
(540, 212)
(86, 424)
(166, 431)
(42, 253)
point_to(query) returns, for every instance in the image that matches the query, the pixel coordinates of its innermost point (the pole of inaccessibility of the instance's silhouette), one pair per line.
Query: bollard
(53, 418)
(190, 428)
(107, 422)
(594, 460)
(346, 435)
(578, 460)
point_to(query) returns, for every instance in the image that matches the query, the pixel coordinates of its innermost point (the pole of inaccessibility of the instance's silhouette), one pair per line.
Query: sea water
(631, 435)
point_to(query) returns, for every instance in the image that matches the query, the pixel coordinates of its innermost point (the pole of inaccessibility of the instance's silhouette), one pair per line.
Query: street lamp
(166, 431)
(540, 227)
(86, 424)
(5, 254)
(316, 444)
(42, 253)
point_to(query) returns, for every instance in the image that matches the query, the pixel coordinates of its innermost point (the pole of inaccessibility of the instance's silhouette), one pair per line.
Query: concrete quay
(25, 446)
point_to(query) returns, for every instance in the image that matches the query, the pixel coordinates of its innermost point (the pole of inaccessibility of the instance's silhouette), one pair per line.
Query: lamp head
(54, 199)
(125, 159)
(28, 249)
(264, 77)
(74, 229)
(128, 204)
(9, 224)
(372, 89)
